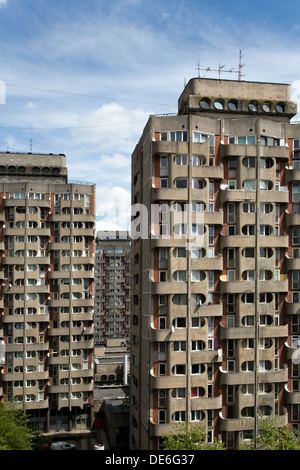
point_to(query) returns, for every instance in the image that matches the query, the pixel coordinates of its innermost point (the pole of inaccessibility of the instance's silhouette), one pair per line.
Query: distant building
(47, 247)
(215, 324)
(112, 287)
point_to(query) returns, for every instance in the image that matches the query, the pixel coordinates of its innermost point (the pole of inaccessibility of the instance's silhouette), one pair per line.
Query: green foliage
(189, 437)
(272, 436)
(14, 432)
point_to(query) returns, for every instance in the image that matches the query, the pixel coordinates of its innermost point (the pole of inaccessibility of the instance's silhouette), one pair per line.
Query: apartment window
(231, 213)
(178, 393)
(179, 322)
(249, 185)
(198, 183)
(210, 280)
(295, 279)
(231, 258)
(163, 162)
(179, 299)
(248, 366)
(162, 369)
(197, 161)
(179, 416)
(249, 207)
(181, 183)
(198, 206)
(162, 397)
(197, 392)
(178, 136)
(179, 369)
(179, 346)
(180, 276)
(248, 229)
(231, 163)
(199, 137)
(163, 182)
(243, 140)
(197, 276)
(230, 348)
(249, 162)
(248, 298)
(296, 236)
(181, 159)
(197, 299)
(230, 303)
(265, 208)
(265, 365)
(163, 276)
(211, 235)
(268, 163)
(198, 345)
(197, 369)
(269, 141)
(198, 322)
(161, 416)
(197, 253)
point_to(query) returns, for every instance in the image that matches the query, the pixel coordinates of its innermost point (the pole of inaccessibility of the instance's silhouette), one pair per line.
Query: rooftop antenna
(198, 68)
(240, 75)
(30, 145)
(221, 69)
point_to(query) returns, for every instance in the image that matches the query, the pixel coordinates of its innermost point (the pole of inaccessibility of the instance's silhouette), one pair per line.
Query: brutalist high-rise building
(216, 264)
(46, 290)
(112, 287)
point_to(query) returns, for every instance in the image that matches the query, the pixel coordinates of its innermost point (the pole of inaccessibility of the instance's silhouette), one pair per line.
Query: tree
(189, 437)
(14, 431)
(272, 436)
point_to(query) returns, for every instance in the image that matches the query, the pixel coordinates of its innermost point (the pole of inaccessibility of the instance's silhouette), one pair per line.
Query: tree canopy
(271, 436)
(189, 437)
(14, 431)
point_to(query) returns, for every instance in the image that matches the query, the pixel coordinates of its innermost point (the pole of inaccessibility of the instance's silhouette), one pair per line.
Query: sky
(82, 77)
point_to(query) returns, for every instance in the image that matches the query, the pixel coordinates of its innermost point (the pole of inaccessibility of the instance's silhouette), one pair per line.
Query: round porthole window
(266, 107)
(219, 104)
(253, 106)
(280, 107)
(232, 105)
(205, 103)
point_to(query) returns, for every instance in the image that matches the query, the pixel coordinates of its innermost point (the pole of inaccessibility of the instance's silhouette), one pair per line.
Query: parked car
(62, 446)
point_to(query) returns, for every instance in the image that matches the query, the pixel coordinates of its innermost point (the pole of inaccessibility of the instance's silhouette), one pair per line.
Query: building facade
(215, 258)
(47, 288)
(112, 287)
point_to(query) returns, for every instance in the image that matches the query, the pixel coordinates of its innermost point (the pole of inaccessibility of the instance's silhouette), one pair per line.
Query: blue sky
(83, 76)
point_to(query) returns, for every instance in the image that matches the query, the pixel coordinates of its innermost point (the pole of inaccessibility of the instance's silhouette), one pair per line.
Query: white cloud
(3, 3)
(110, 128)
(112, 208)
(30, 105)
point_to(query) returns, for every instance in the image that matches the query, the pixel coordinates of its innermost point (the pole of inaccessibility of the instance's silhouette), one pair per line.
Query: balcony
(237, 150)
(292, 219)
(163, 147)
(292, 263)
(292, 308)
(239, 332)
(291, 398)
(236, 424)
